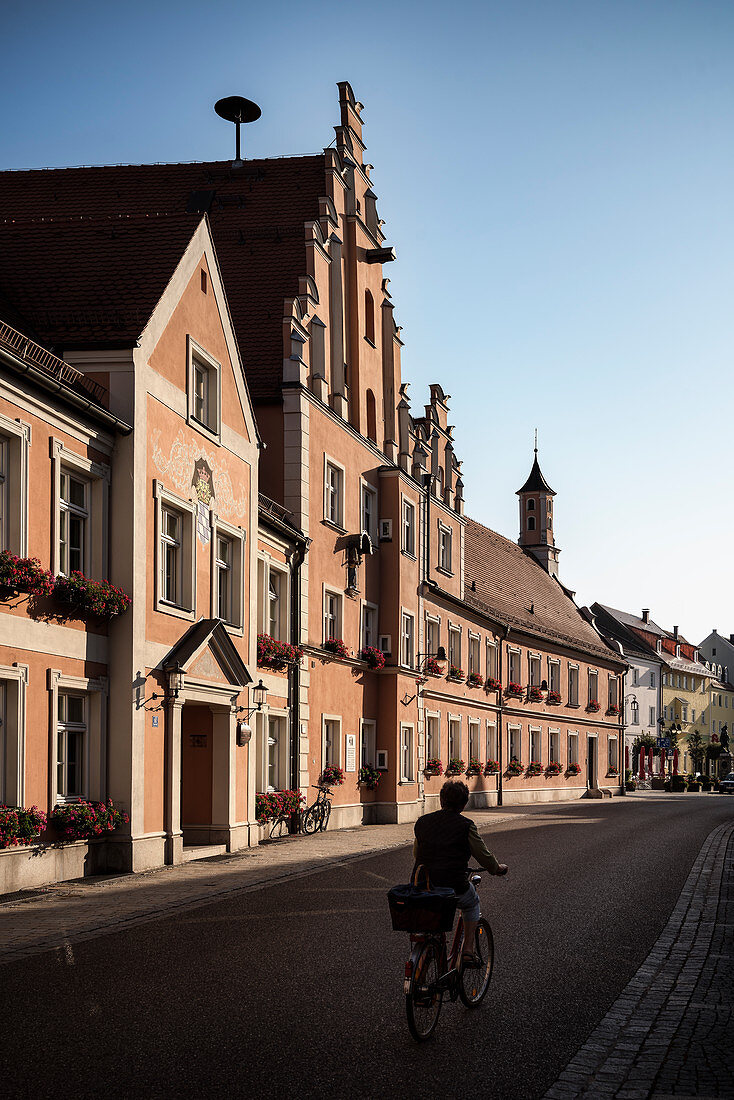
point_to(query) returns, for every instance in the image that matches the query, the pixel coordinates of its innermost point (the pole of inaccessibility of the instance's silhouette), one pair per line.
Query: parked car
(726, 785)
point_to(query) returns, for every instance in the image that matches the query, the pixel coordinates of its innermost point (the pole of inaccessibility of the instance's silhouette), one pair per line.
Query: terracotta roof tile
(508, 582)
(256, 214)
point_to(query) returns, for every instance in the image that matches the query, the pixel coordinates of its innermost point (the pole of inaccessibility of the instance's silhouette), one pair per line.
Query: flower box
(24, 575)
(534, 768)
(432, 667)
(276, 655)
(593, 706)
(553, 697)
(20, 826)
(456, 673)
(515, 690)
(474, 680)
(375, 658)
(86, 820)
(492, 685)
(332, 777)
(514, 768)
(492, 767)
(573, 769)
(554, 768)
(612, 772)
(270, 805)
(613, 709)
(368, 777)
(433, 767)
(337, 647)
(456, 767)
(474, 767)
(88, 597)
(535, 695)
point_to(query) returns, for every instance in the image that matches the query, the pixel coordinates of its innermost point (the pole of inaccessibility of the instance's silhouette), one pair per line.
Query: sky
(556, 178)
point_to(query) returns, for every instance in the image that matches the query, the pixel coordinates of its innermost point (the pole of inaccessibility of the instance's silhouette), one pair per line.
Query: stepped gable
(256, 213)
(89, 283)
(508, 582)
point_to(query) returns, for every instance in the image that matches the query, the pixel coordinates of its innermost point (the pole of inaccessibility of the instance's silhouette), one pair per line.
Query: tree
(697, 749)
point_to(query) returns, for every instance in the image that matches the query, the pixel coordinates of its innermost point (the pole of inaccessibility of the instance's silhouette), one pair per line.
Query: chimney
(646, 614)
(675, 633)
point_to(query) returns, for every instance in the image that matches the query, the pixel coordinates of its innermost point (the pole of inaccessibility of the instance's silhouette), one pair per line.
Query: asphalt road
(297, 989)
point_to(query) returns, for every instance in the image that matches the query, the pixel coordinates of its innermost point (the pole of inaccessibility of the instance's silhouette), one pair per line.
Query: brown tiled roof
(256, 214)
(508, 582)
(89, 282)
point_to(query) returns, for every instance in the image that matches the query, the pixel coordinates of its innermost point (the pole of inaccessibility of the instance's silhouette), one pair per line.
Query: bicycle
(430, 972)
(316, 816)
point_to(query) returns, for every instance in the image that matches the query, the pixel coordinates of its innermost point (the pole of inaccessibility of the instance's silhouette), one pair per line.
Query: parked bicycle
(316, 816)
(430, 972)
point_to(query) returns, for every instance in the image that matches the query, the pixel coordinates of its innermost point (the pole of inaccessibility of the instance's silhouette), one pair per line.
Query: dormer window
(677, 650)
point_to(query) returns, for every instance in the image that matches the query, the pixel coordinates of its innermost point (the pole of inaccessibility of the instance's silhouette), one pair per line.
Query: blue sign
(663, 742)
(155, 720)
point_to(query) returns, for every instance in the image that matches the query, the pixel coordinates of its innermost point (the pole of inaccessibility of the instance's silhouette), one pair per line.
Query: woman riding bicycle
(444, 843)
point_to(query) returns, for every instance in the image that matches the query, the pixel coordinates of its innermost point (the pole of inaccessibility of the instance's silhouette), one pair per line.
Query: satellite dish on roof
(237, 109)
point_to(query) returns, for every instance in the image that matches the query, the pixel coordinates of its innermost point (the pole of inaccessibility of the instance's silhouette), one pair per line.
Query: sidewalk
(59, 915)
(667, 1036)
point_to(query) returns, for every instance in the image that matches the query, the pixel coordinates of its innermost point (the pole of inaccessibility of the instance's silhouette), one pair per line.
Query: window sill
(574, 706)
(334, 526)
(407, 554)
(173, 609)
(446, 572)
(406, 783)
(371, 343)
(214, 435)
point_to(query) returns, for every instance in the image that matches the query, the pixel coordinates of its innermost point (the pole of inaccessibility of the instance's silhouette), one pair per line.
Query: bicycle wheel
(311, 820)
(280, 828)
(325, 815)
(474, 983)
(423, 1000)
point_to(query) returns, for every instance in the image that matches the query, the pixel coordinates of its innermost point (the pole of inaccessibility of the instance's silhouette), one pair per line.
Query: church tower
(536, 519)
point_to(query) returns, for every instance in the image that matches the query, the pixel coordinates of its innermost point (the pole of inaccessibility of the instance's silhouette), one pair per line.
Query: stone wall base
(41, 865)
(524, 797)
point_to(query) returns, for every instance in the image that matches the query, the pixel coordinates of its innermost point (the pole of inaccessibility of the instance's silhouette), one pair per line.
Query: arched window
(531, 523)
(369, 316)
(371, 416)
(531, 506)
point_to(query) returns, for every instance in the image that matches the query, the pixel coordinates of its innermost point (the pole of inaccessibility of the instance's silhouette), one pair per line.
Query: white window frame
(16, 437)
(281, 762)
(613, 690)
(514, 743)
(573, 747)
(514, 662)
(334, 757)
(14, 680)
(472, 747)
(265, 566)
(492, 744)
(367, 610)
(433, 748)
(407, 659)
(432, 634)
(407, 761)
(492, 663)
(95, 742)
(554, 681)
(453, 728)
(554, 745)
(613, 753)
(165, 498)
(535, 670)
(445, 549)
(592, 677)
(474, 654)
(574, 668)
(334, 493)
(368, 523)
(407, 512)
(97, 476)
(236, 538)
(196, 355)
(535, 742)
(454, 645)
(332, 593)
(367, 742)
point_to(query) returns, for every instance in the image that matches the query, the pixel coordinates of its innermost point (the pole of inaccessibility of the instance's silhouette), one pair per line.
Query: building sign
(351, 762)
(203, 484)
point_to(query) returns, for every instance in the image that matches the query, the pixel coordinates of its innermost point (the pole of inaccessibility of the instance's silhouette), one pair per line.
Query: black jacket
(443, 848)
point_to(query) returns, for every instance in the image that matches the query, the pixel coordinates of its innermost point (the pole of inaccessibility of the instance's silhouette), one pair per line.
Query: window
(531, 506)
(276, 746)
(455, 646)
(407, 636)
(227, 585)
(204, 390)
(14, 444)
(275, 584)
(513, 665)
(176, 555)
(331, 754)
(172, 556)
(652, 679)
(367, 739)
(272, 600)
(369, 511)
(444, 548)
(408, 528)
(613, 691)
(693, 714)
(473, 748)
(634, 677)
(534, 670)
(535, 736)
(333, 493)
(454, 749)
(514, 749)
(71, 734)
(652, 716)
(685, 712)
(406, 754)
(332, 614)
(613, 753)
(3, 493)
(369, 625)
(224, 587)
(433, 737)
(492, 662)
(369, 317)
(474, 651)
(554, 675)
(73, 517)
(371, 409)
(573, 685)
(685, 683)
(593, 681)
(554, 746)
(492, 746)
(433, 635)
(531, 523)
(573, 748)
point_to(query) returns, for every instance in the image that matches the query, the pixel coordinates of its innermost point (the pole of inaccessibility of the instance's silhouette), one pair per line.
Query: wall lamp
(259, 699)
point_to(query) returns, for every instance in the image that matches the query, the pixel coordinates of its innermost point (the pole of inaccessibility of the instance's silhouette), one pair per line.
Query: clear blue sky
(557, 178)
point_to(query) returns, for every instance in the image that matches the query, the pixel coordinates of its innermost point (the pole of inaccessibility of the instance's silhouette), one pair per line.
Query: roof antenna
(536, 442)
(235, 108)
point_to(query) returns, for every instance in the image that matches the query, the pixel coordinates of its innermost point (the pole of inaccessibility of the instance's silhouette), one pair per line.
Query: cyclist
(444, 842)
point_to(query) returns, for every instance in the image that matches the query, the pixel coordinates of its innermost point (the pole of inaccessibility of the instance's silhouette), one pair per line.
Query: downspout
(294, 671)
(500, 738)
(427, 541)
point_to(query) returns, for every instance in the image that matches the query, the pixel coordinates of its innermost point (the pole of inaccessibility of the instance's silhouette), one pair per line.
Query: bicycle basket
(414, 909)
